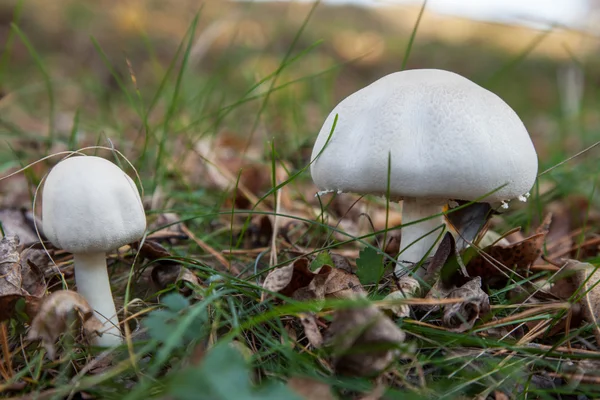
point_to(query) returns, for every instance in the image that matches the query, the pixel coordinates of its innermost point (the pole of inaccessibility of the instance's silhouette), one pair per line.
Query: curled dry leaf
(581, 279)
(469, 222)
(310, 389)
(169, 273)
(57, 313)
(166, 272)
(460, 317)
(445, 250)
(19, 279)
(153, 250)
(495, 266)
(343, 284)
(362, 341)
(407, 288)
(20, 223)
(278, 279)
(311, 329)
(298, 281)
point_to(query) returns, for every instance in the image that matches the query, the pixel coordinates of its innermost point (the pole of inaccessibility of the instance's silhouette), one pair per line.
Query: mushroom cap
(448, 138)
(90, 205)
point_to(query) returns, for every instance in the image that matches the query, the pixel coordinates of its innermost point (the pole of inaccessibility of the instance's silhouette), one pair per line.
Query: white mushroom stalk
(422, 237)
(90, 207)
(419, 135)
(91, 278)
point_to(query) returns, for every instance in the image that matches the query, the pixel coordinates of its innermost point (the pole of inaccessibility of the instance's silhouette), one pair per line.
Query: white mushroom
(89, 207)
(447, 138)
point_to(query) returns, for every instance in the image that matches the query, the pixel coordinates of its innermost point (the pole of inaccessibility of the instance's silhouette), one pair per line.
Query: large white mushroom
(89, 207)
(447, 139)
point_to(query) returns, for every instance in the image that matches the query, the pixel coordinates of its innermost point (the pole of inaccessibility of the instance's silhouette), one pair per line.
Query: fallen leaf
(316, 289)
(310, 389)
(171, 273)
(445, 249)
(153, 250)
(10, 267)
(362, 341)
(56, 315)
(406, 288)
(497, 263)
(8, 303)
(311, 329)
(341, 262)
(19, 279)
(343, 284)
(277, 280)
(19, 222)
(298, 281)
(468, 222)
(584, 278)
(460, 317)
(258, 233)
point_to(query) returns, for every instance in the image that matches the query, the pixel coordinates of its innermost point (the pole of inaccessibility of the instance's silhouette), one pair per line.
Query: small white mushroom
(447, 138)
(89, 207)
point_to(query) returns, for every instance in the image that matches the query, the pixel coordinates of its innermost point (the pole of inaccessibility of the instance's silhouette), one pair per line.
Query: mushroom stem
(417, 239)
(91, 277)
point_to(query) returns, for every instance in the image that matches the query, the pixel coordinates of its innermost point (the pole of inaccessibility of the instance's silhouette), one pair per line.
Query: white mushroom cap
(448, 138)
(90, 205)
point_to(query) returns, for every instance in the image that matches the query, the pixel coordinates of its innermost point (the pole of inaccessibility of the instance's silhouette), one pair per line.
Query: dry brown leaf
(362, 341)
(8, 303)
(518, 257)
(585, 285)
(310, 389)
(153, 250)
(19, 222)
(19, 279)
(406, 288)
(311, 329)
(57, 313)
(460, 317)
(445, 250)
(259, 232)
(342, 284)
(168, 273)
(469, 222)
(277, 280)
(316, 289)
(296, 280)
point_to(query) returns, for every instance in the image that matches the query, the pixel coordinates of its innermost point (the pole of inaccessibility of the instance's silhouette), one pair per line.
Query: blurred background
(166, 89)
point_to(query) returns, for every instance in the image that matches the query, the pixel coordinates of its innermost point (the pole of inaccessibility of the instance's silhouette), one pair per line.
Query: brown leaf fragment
(341, 262)
(495, 266)
(170, 273)
(153, 250)
(259, 232)
(469, 221)
(10, 269)
(460, 317)
(316, 289)
(407, 288)
(19, 222)
(343, 284)
(310, 389)
(586, 287)
(8, 303)
(57, 314)
(296, 280)
(445, 249)
(277, 280)
(362, 341)
(311, 329)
